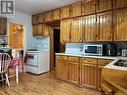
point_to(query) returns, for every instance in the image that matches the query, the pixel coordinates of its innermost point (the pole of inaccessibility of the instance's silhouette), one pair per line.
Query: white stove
(38, 61)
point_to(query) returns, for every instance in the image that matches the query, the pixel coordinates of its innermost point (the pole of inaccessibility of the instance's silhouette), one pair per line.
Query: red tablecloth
(15, 62)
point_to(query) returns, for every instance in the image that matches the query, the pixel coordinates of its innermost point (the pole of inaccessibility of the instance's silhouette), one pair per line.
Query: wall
(24, 19)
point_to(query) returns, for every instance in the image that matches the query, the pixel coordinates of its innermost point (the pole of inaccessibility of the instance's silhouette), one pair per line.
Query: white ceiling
(36, 6)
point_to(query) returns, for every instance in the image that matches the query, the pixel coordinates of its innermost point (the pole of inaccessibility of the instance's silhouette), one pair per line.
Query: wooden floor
(45, 84)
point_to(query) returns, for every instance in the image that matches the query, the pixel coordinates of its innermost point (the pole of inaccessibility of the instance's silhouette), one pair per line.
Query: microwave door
(91, 50)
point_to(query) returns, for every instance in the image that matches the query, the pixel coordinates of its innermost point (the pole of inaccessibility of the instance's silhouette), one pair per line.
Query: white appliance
(38, 62)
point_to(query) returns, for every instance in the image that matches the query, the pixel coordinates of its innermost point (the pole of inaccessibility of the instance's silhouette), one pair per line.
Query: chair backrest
(5, 60)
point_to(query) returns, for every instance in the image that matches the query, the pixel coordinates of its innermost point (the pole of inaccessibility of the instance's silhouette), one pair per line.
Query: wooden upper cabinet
(41, 18)
(35, 19)
(120, 28)
(103, 5)
(65, 12)
(88, 7)
(65, 29)
(56, 14)
(41, 30)
(75, 10)
(90, 28)
(3, 26)
(105, 26)
(48, 16)
(119, 3)
(76, 30)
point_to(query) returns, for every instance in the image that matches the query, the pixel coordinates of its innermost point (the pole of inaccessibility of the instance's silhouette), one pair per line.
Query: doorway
(56, 42)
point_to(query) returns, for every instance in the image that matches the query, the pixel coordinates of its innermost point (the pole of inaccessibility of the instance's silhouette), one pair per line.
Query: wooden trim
(51, 49)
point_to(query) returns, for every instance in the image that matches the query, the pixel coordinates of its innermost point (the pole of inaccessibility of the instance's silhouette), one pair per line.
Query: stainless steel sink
(121, 63)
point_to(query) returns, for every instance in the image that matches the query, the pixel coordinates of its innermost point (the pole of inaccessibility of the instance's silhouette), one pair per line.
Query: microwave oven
(93, 49)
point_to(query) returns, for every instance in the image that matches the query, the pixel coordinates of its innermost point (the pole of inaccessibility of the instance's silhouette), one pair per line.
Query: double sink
(121, 63)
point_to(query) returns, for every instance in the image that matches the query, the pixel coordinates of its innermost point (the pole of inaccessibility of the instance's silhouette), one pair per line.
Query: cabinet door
(89, 75)
(73, 71)
(65, 28)
(120, 33)
(75, 10)
(104, 5)
(35, 30)
(62, 70)
(46, 30)
(119, 3)
(40, 30)
(40, 18)
(90, 28)
(3, 26)
(65, 12)
(56, 14)
(48, 16)
(35, 19)
(88, 7)
(101, 64)
(76, 30)
(105, 26)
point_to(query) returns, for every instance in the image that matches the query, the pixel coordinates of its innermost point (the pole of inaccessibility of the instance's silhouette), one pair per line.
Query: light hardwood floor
(45, 84)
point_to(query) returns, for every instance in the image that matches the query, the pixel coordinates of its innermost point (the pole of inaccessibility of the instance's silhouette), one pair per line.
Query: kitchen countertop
(100, 57)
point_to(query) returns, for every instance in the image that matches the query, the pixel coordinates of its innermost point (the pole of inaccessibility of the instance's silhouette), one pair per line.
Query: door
(62, 69)
(88, 7)
(90, 28)
(120, 30)
(75, 10)
(65, 28)
(105, 26)
(120, 3)
(89, 75)
(73, 71)
(76, 30)
(104, 5)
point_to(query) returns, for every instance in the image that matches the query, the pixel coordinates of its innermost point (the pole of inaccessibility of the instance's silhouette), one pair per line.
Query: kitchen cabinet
(34, 19)
(75, 9)
(41, 18)
(41, 30)
(56, 14)
(3, 26)
(120, 3)
(65, 12)
(48, 16)
(120, 30)
(103, 5)
(90, 28)
(89, 72)
(65, 28)
(73, 69)
(105, 26)
(76, 30)
(88, 7)
(101, 64)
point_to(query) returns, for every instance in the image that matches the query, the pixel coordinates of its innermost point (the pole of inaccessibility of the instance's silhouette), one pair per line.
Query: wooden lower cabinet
(89, 74)
(62, 70)
(81, 71)
(73, 71)
(101, 64)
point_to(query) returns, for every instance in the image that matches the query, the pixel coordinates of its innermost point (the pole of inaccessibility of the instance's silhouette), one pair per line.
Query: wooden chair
(5, 60)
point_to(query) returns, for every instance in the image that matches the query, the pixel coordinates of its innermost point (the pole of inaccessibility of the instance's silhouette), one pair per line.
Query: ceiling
(36, 6)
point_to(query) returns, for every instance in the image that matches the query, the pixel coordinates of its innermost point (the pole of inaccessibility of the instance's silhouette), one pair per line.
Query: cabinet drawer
(89, 61)
(73, 59)
(103, 62)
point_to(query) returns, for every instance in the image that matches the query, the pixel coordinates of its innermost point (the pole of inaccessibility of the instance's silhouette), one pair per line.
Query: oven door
(32, 59)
